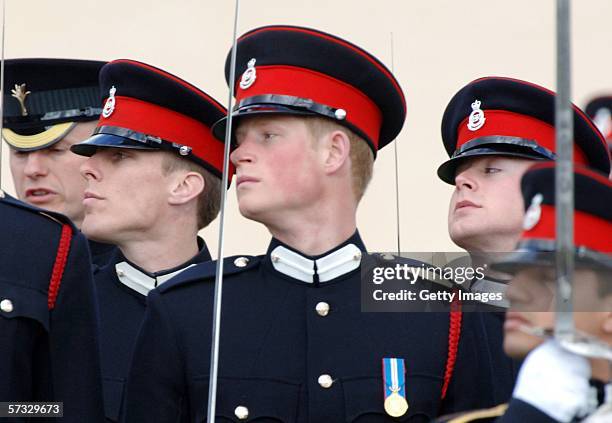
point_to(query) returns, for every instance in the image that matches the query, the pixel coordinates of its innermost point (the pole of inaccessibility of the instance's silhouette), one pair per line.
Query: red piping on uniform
(60, 264)
(454, 334)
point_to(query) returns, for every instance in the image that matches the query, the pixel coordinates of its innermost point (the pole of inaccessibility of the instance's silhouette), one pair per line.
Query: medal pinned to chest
(394, 380)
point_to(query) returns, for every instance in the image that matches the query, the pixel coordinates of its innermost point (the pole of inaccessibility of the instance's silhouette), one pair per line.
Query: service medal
(396, 405)
(394, 381)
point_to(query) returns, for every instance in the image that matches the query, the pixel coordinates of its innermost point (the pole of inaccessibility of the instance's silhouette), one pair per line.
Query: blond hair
(361, 155)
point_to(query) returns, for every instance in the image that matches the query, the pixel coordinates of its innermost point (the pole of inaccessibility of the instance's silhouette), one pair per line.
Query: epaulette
(205, 272)
(61, 255)
(482, 416)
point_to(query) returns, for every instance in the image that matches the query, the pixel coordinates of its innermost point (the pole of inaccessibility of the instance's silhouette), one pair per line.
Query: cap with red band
(147, 108)
(510, 117)
(286, 69)
(600, 110)
(592, 217)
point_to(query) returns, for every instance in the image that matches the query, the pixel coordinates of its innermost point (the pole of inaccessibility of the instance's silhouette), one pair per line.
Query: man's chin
(94, 232)
(517, 344)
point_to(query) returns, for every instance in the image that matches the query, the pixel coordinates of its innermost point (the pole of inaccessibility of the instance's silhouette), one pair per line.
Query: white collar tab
(140, 281)
(326, 268)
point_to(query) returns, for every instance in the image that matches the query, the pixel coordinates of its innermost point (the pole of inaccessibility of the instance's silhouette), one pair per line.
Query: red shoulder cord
(59, 265)
(454, 333)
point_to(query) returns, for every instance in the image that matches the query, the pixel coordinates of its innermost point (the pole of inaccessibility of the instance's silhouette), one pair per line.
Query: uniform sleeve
(74, 339)
(482, 372)
(520, 411)
(156, 385)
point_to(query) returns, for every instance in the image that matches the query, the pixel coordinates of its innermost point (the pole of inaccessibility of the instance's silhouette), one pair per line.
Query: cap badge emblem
(477, 117)
(603, 121)
(109, 106)
(249, 76)
(533, 213)
(20, 93)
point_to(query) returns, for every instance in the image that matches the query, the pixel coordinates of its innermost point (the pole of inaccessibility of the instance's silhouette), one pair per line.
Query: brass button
(322, 309)
(6, 306)
(241, 412)
(241, 262)
(325, 381)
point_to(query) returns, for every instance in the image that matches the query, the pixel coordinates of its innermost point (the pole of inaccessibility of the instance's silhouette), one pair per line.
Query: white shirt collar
(327, 268)
(139, 281)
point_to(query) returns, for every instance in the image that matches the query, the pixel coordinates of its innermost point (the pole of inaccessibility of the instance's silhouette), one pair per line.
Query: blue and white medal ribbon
(394, 380)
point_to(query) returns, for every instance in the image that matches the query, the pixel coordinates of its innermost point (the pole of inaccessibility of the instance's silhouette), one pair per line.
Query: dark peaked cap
(510, 117)
(303, 71)
(592, 219)
(147, 108)
(44, 98)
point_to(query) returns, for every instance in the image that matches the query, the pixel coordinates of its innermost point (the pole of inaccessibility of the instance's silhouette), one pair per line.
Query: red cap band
(590, 231)
(505, 123)
(361, 112)
(168, 125)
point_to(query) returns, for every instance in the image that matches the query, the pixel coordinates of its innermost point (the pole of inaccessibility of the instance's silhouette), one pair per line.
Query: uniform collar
(322, 268)
(142, 281)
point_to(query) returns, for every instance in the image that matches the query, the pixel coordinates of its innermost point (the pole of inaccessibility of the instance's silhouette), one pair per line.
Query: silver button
(322, 309)
(241, 412)
(325, 381)
(241, 261)
(184, 150)
(120, 273)
(340, 114)
(6, 305)
(275, 258)
(357, 256)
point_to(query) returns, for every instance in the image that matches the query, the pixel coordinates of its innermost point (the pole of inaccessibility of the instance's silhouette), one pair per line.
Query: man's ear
(606, 324)
(185, 187)
(337, 150)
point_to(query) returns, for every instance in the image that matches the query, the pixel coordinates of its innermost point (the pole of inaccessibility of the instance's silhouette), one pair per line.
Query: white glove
(555, 381)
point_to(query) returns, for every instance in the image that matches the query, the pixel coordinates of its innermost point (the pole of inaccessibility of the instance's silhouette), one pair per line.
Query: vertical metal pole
(397, 199)
(564, 186)
(216, 329)
(2, 87)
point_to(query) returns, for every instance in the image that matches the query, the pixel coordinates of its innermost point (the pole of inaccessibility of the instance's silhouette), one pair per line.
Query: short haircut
(209, 200)
(361, 155)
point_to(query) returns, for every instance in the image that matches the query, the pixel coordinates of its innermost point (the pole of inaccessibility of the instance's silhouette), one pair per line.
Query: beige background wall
(439, 45)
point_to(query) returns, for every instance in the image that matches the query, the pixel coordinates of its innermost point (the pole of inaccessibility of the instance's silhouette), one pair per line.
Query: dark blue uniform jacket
(275, 346)
(47, 353)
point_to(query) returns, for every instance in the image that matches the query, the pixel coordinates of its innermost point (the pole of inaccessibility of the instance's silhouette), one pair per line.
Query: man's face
(278, 168)
(531, 294)
(126, 196)
(50, 178)
(486, 208)
(532, 302)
